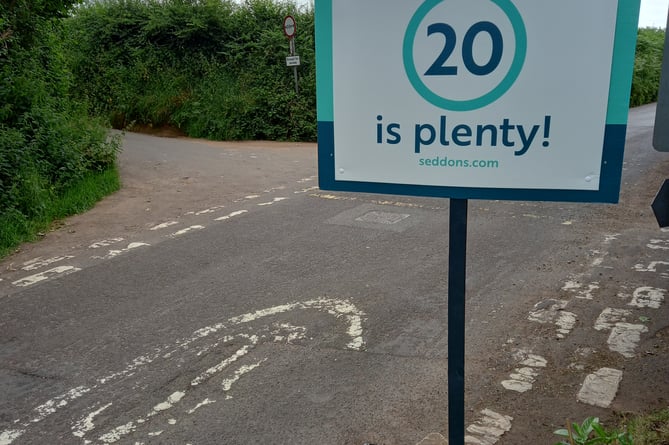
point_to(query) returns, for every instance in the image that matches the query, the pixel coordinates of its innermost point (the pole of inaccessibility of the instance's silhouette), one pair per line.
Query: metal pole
(292, 53)
(457, 256)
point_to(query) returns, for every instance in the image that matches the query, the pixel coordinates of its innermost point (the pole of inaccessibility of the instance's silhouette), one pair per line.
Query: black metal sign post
(457, 273)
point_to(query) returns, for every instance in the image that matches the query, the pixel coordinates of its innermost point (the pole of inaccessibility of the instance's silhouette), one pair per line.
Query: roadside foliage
(214, 69)
(48, 144)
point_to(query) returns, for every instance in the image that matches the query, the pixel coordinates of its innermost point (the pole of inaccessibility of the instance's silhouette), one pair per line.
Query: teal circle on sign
(487, 98)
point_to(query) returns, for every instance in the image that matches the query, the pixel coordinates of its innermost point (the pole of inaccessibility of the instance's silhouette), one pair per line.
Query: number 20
(438, 68)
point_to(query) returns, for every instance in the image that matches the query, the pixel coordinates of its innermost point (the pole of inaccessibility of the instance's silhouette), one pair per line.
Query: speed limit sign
(490, 99)
(289, 26)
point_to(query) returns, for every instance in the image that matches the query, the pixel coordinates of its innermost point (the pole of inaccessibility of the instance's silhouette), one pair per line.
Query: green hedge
(214, 69)
(647, 66)
(47, 141)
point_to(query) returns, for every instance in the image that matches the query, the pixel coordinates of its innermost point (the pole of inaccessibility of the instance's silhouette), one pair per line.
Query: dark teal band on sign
(324, 64)
(622, 67)
(471, 104)
(609, 184)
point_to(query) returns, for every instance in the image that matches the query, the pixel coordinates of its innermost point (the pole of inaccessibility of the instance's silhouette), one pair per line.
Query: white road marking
(651, 297)
(38, 263)
(211, 210)
(552, 311)
(303, 180)
(56, 271)
(522, 379)
(652, 267)
(231, 215)
(274, 189)
(609, 317)
(586, 294)
(7, 437)
(489, 429)
(200, 405)
(164, 225)
(274, 201)
(227, 383)
(306, 190)
(80, 428)
(187, 229)
(565, 322)
(567, 223)
(105, 243)
(340, 309)
(114, 253)
(625, 337)
(600, 388)
(658, 244)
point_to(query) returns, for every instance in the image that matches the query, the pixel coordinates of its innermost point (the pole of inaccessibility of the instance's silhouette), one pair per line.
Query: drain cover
(382, 217)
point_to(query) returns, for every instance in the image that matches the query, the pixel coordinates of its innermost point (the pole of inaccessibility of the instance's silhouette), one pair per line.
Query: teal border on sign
(479, 102)
(324, 64)
(622, 66)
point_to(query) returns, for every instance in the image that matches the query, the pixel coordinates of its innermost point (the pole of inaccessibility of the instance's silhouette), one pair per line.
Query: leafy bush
(591, 432)
(213, 68)
(647, 66)
(47, 141)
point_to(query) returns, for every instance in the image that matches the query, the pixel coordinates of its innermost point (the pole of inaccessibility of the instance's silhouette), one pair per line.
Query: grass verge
(15, 228)
(650, 429)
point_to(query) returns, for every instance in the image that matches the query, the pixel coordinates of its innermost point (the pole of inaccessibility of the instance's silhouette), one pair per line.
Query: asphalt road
(221, 298)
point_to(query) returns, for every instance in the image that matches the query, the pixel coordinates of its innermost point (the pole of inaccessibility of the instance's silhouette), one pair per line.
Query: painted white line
(114, 253)
(241, 352)
(600, 388)
(651, 297)
(565, 322)
(164, 225)
(56, 271)
(567, 223)
(658, 244)
(547, 311)
(309, 179)
(200, 405)
(586, 294)
(609, 317)
(652, 267)
(571, 285)
(9, 436)
(80, 428)
(274, 201)
(306, 190)
(625, 337)
(186, 230)
(231, 215)
(38, 263)
(211, 210)
(252, 197)
(340, 309)
(227, 383)
(522, 379)
(552, 311)
(105, 243)
(489, 429)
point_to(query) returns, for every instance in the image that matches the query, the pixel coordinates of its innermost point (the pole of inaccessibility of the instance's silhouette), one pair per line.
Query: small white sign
(293, 61)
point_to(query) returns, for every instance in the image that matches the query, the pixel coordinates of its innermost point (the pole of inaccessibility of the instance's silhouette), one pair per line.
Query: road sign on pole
(475, 98)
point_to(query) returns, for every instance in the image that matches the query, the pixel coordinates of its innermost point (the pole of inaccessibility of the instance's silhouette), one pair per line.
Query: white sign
(293, 61)
(505, 99)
